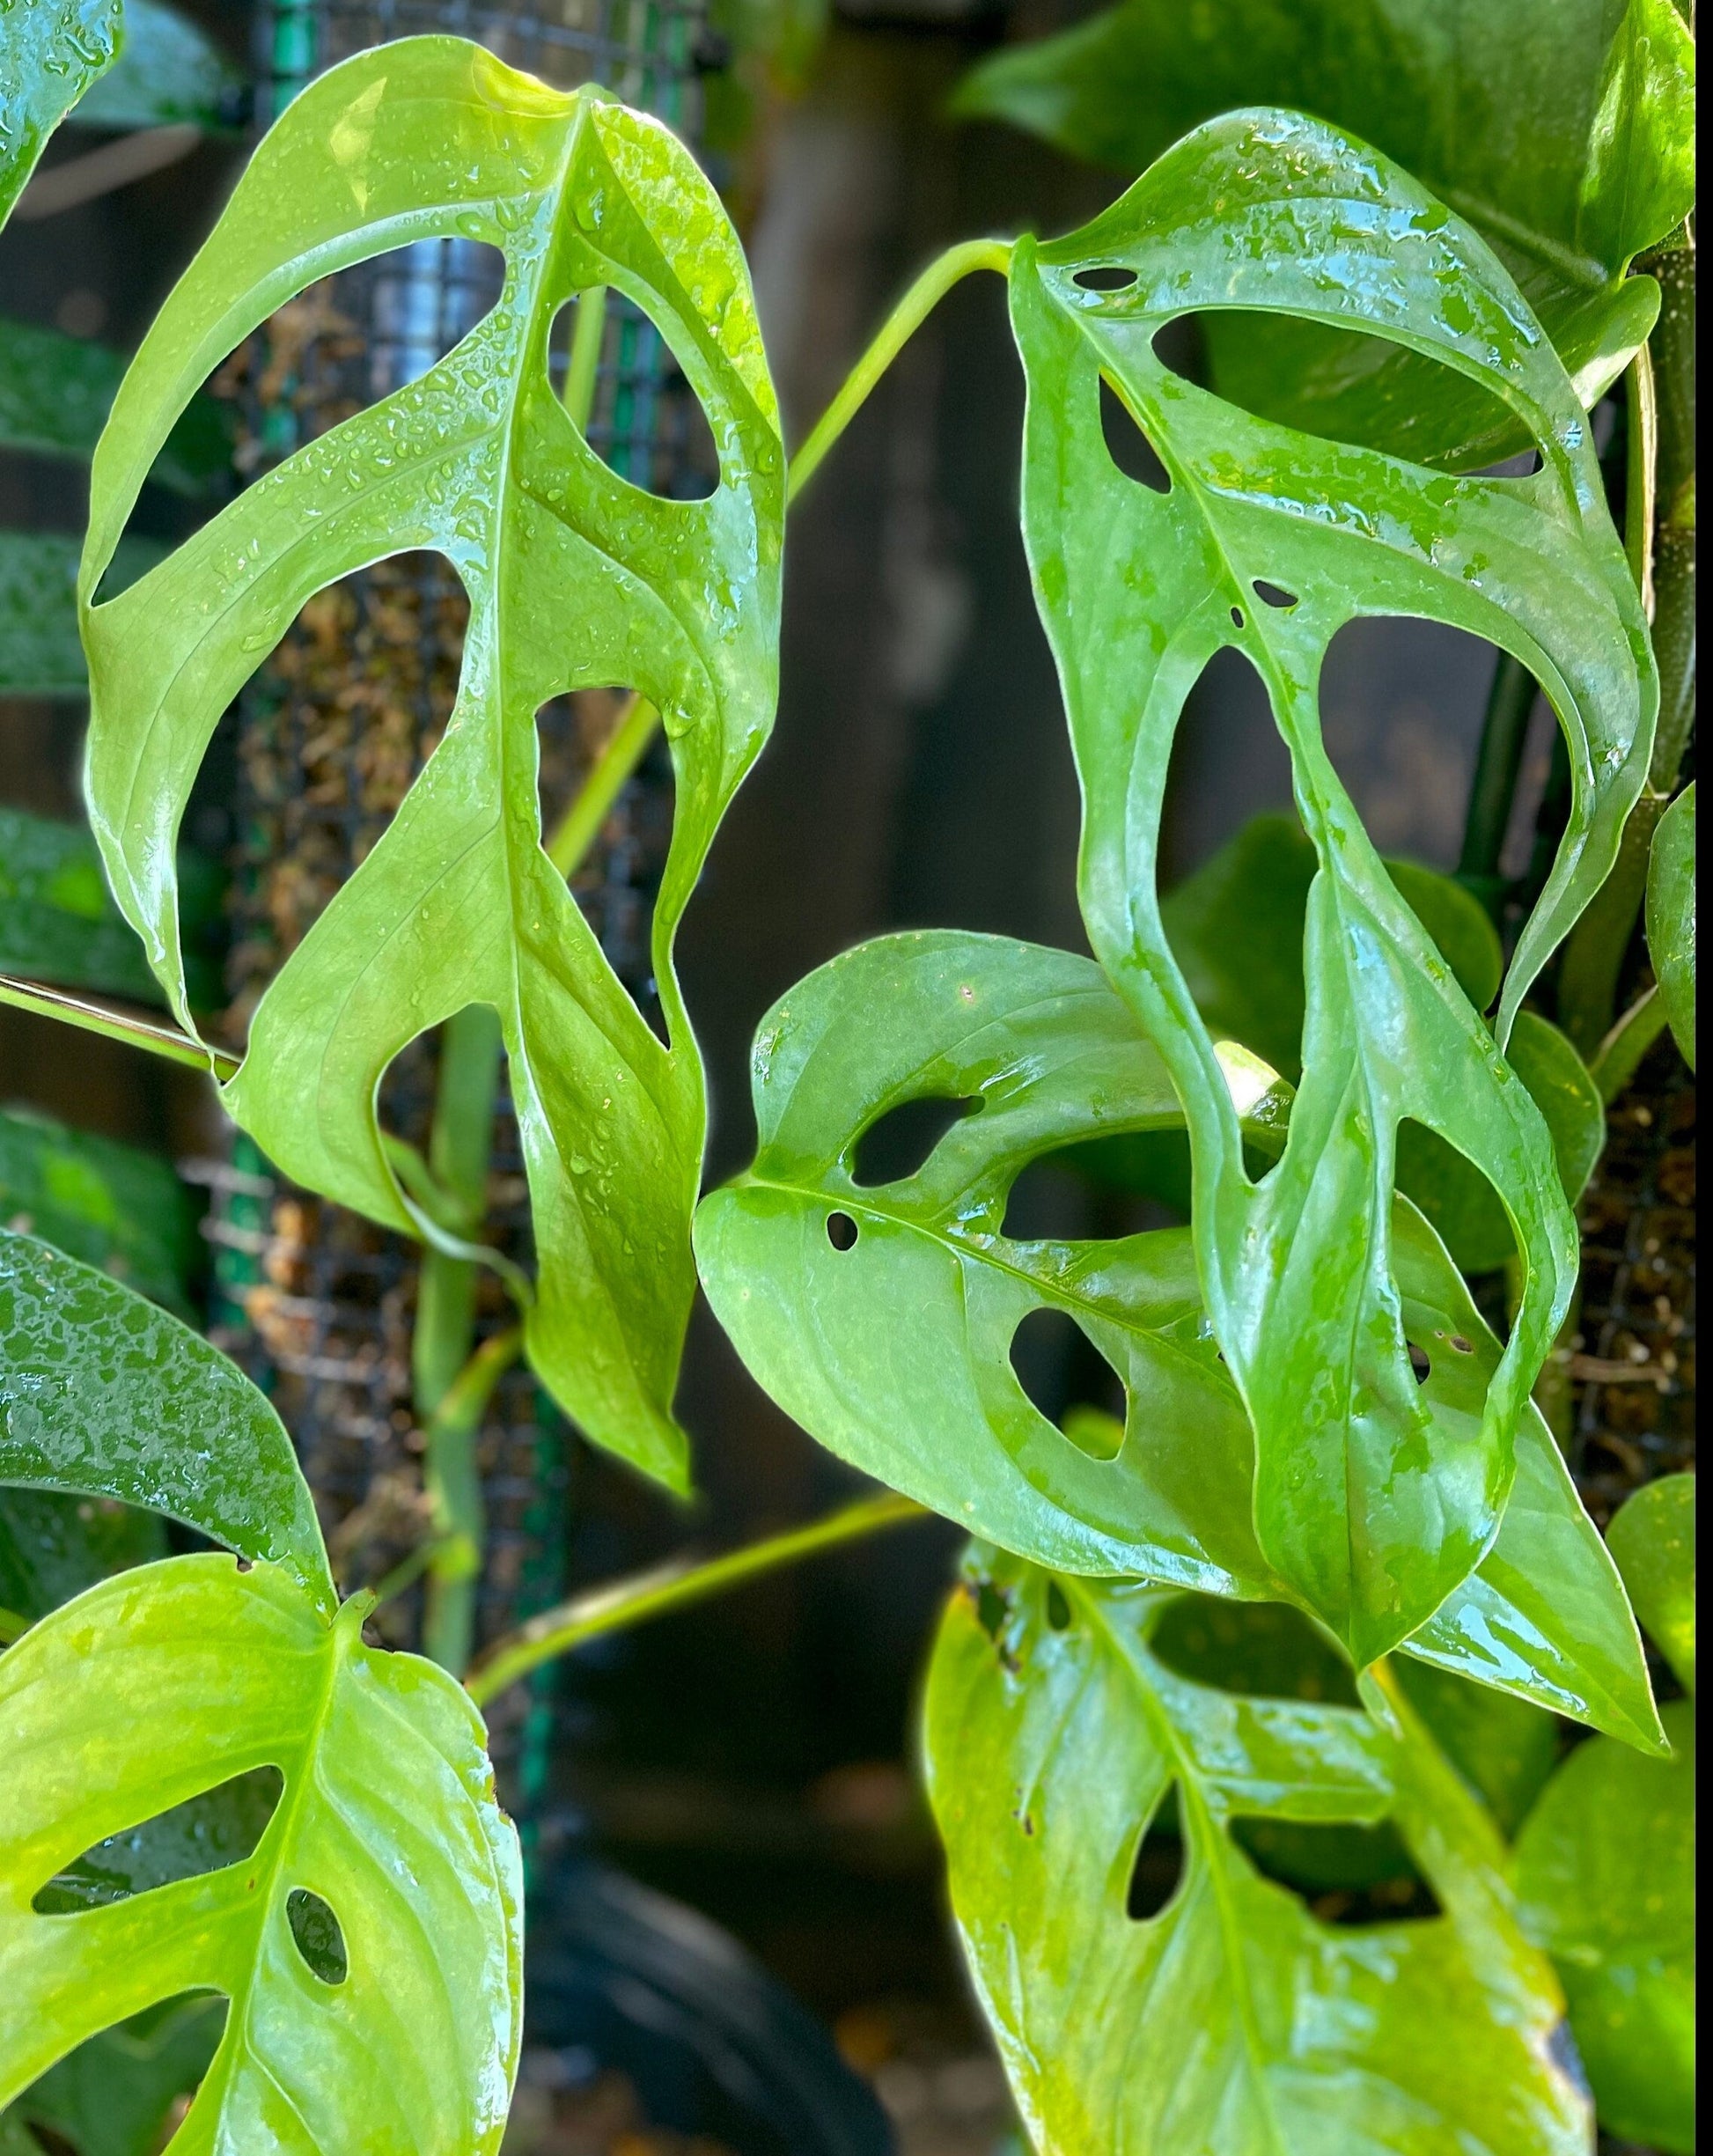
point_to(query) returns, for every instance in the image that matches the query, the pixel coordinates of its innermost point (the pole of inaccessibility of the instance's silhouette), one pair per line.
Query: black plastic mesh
(316, 1303)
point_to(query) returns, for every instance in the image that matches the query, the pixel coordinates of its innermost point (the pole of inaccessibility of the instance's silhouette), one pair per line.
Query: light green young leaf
(170, 72)
(174, 1680)
(1671, 916)
(1233, 2019)
(1605, 1882)
(113, 2095)
(1652, 1541)
(1359, 1502)
(103, 1394)
(50, 52)
(893, 1350)
(1562, 129)
(575, 579)
(110, 1204)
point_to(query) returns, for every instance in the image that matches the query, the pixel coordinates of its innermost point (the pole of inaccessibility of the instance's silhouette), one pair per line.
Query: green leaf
(110, 1204)
(894, 1351)
(169, 72)
(575, 579)
(50, 52)
(53, 1545)
(1562, 129)
(1359, 1502)
(1232, 2018)
(40, 654)
(113, 2096)
(103, 1394)
(171, 1682)
(1605, 1882)
(1652, 1541)
(1671, 916)
(1504, 1749)
(54, 394)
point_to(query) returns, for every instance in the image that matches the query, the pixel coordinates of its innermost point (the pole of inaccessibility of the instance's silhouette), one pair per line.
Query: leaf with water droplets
(50, 52)
(576, 578)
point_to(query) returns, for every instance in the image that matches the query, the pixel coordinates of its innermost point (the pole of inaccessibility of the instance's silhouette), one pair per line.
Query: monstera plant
(1239, 1727)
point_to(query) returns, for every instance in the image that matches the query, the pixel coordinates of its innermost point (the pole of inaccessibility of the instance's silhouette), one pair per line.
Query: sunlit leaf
(1671, 916)
(1231, 2018)
(1605, 1882)
(1562, 129)
(114, 2096)
(881, 1316)
(1360, 1502)
(575, 579)
(169, 1681)
(50, 52)
(1652, 1539)
(170, 72)
(1501, 1746)
(103, 1394)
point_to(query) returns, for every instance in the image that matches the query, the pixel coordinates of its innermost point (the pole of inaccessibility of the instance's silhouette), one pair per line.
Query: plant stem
(580, 826)
(625, 1602)
(1498, 760)
(904, 319)
(164, 1040)
(1628, 1042)
(586, 355)
(454, 1490)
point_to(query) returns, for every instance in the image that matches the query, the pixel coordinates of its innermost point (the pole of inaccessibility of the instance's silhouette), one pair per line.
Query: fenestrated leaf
(1358, 1501)
(113, 2096)
(575, 579)
(1562, 129)
(893, 1350)
(50, 52)
(103, 1394)
(1605, 1882)
(1232, 2019)
(1652, 1539)
(54, 393)
(110, 1204)
(172, 1681)
(170, 72)
(1671, 916)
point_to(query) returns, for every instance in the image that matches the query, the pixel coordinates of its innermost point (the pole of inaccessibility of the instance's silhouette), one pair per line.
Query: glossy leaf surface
(894, 1350)
(1562, 129)
(575, 579)
(1605, 1882)
(1671, 916)
(104, 1394)
(1360, 1502)
(110, 1204)
(189, 1674)
(1232, 2020)
(50, 52)
(1652, 1539)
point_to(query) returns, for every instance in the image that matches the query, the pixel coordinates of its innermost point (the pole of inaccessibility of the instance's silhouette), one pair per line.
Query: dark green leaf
(1232, 2018)
(1605, 1882)
(109, 1204)
(170, 72)
(174, 1680)
(113, 2095)
(575, 579)
(54, 1545)
(104, 1394)
(893, 1350)
(1652, 1539)
(1360, 1502)
(40, 654)
(1562, 129)
(50, 52)
(1671, 916)
(54, 393)
(1504, 1747)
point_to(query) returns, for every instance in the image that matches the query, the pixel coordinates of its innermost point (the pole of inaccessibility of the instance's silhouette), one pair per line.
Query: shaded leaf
(113, 2095)
(57, 922)
(1652, 1540)
(54, 1544)
(103, 1394)
(170, 72)
(55, 393)
(388, 1818)
(1671, 916)
(50, 52)
(110, 1204)
(1504, 1748)
(1232, 2018)
(1359, 1502)
(1605, 1882)
(575, 579)
(39, 652)
(1562, 129)
(893, 1350)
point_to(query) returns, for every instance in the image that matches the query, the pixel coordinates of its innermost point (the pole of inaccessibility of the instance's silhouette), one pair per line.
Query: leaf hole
(1157, 1872)
(1349, 1874)
(1524, 465)
(1060, 1369)
(1255, 1649)
(841, 1231)
(898, 1144)
(1106, 278)
(993, 1609)
(1058, 1609)
(1237, 617)
(1460, 1345)
(1127, 445)
(1420, 1363)
(318, 1936)
(205, 1833)
(1273, 594)
(646, 422)
(1227, 765)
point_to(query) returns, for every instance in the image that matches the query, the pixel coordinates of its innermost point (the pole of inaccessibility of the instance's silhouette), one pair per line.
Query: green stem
(164, 1040)
(900, 325)
(672, 1585)
(1628, 1042)
(586, 355)
(12, 1627)
(454, 1490)
(460, 1141)
(1640, 470)
(1498, 760)
(580, 826)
